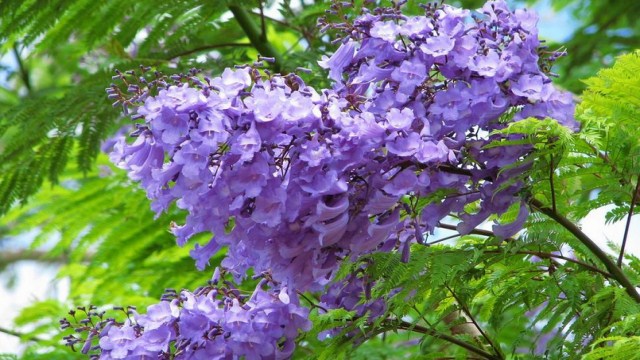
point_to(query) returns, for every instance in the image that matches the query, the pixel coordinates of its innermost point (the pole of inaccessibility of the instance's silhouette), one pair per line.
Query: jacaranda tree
(310, 197)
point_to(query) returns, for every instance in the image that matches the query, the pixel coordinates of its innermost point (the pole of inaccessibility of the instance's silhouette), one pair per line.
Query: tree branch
(634, 198)
(474, 231)
(18, 334)
(263, 26)
(525, 252)
(467, 312)
(553, 190)
(423, 330)
(208, 47)
(9, 257)
(614, 270)
(24, 73)
(544, 255)
(252, 31)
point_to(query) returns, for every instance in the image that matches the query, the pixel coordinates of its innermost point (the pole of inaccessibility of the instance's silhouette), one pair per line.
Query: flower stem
(423, 330)
(634, 199)
(611, 266)
(257, 39)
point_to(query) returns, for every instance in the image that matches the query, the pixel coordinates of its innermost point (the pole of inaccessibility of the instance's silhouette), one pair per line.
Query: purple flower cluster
(441, 85)
(278, 173)
(353, 293)
(214, 322)
(293, 180)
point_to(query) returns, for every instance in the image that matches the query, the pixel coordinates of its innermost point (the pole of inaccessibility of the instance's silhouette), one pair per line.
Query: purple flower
(529, 86)
(339, 60)
(432, 152)
(386, 31)
(409, 75)
(291, 180)
(232, 81)
(438, 45)
(249, 143)
(485, 65)
(400, 120)
(401, 183)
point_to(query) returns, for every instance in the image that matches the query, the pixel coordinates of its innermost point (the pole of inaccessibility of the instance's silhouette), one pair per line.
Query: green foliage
(66, 59)
(604, 164)
(617, 347)
(113, 251)
(605, 29)
(54, 115)
(506, 297)
(500, 297)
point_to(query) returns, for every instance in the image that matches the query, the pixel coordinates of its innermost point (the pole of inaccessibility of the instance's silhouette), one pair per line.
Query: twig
(553, 190)
(24, 73)
(422, 330)
(525, 252)
(614, 270)
(442, 239)
(209, 47)
(536, 253)
(283, 23)
(9, 257)
(311, 303)
(253, 33)
(634, 198)
(466, 310)
(474, 231)
(18, 334)
(607, 160)
(544, 255)
(262, 24)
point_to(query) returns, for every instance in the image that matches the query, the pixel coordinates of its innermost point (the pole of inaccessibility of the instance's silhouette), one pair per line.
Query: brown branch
(423, 330)
(18, 334)
(466, 311)
(526, 252)
(9, 257)
(474, 231)
(614, 270)
(544, 255)
(209, 47)
(553, 190)
(24, 73)
(634, 198)
(265, 48)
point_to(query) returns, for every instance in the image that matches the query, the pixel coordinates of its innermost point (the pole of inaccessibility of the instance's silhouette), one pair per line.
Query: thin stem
(209, 47)
(252, 31)
(24, 73)
(544, 255)
(614, 270)
(553, 190)
(443, 239)
(466, 310)
(17, 334)
(474, 231)
(525, 252)
(608, 161)
(311, 303)
(539, 254)
(9, 257)
(283, 23)
(423, 330)
(263, 27)
(634, 198)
